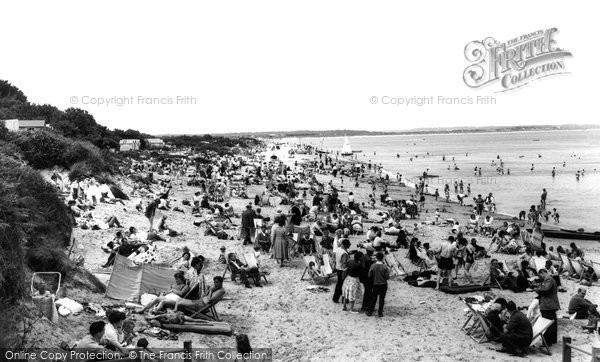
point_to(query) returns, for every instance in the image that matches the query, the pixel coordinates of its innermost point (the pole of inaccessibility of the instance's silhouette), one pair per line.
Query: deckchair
(466, 327)
(480, 329)
(539, 328)
(307, 260)
(395, 265)
(209, 311)
(577, 267)
(539, 263)
(251, 262)
(566, 264)
(596, 267)
(293, 248)
(327, 266)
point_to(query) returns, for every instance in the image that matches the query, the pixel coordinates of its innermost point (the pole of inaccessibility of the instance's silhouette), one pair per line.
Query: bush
(34, 220)
(78, 151)
(46, 149)
(42, 149)
(87, 168)
(12, 282)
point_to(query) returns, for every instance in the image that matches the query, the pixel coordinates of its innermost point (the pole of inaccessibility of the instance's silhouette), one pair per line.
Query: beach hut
(129, 145)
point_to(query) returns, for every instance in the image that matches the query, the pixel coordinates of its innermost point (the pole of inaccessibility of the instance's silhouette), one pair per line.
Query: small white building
(24, 125)
(129, 145)
(155, 143)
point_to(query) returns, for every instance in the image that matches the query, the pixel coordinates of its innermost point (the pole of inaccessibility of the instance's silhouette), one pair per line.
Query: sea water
(577, 202)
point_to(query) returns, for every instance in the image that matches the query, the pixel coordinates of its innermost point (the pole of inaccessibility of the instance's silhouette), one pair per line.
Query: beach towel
(129, 281)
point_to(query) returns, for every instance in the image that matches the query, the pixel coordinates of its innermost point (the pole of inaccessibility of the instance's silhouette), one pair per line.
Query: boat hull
(566, 234)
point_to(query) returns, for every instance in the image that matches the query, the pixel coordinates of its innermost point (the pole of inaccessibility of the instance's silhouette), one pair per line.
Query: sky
(190, 67)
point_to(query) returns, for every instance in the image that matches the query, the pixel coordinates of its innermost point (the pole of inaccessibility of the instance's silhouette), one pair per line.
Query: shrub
(42, 149)
(33, 221)
(88, 168)
(78, 151)
(12, 282)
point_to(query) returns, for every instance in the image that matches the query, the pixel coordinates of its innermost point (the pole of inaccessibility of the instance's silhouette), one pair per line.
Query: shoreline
(436, 134)
(565, 223)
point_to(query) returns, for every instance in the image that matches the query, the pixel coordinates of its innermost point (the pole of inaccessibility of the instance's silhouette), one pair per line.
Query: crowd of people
(320, 219)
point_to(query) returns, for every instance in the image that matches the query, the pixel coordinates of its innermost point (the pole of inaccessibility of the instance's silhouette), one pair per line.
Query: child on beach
(555, 215)
(437, 216)
(437, 194)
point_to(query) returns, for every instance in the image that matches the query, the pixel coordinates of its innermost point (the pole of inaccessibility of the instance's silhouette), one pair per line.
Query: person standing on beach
(341, 263)
(367, 281)
(151, 211)
(543, 198)
(279, 241)
(469, 189)
(445, 261)
(247, 229)
(549, 304)
(380, 274)
(553, 171)
(479, 202)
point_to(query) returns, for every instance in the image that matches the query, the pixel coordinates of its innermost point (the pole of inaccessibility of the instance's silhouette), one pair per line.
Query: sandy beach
(419, 323)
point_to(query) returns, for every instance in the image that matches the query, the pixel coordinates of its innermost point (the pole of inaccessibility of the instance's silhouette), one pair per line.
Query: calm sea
(576, 201)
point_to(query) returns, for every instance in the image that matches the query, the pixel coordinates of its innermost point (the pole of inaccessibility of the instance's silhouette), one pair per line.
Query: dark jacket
(248, 218)
(548, 294)
(519, 326)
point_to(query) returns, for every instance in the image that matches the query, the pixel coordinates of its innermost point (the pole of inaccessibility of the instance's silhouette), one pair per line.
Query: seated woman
(378, 243)
(196, 209)
(480, 251)
(426, 254)
(163, 227)
(473, 224)
(575, 252)
(529, 273)
(413, 251)
(316, 275)
(333, 222)
(228, 210)
(488, 226)
(315, 228)
(356, 225)
(174, 295)
(183, 263)
(113, 248)
(401, 240)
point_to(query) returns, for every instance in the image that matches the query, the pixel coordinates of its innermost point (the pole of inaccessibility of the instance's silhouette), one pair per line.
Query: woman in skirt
(352, 288)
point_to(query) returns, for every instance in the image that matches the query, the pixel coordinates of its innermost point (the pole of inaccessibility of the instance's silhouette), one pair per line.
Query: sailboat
(346, 149)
